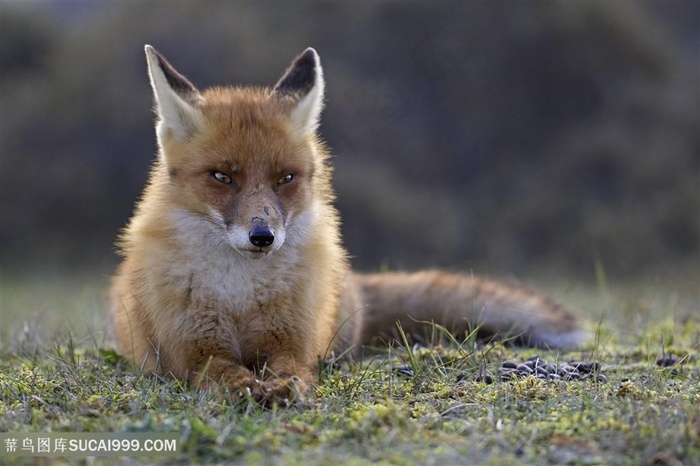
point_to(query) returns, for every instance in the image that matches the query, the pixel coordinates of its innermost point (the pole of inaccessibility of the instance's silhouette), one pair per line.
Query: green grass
(56, 374)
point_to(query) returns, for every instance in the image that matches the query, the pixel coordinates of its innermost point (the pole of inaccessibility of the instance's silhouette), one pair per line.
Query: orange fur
(198, 297)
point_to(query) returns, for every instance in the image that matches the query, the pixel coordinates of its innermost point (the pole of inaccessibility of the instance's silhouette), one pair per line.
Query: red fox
(233, 273)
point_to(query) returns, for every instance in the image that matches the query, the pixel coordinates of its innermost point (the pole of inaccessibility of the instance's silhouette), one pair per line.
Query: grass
(57, 374)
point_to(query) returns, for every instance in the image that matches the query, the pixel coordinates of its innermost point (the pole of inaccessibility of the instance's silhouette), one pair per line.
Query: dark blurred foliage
(500, 136)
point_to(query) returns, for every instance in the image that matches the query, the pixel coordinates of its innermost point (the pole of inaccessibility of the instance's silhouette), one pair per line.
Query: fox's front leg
(215, 355)
(281, 381)
(219, 374)
(205, 350)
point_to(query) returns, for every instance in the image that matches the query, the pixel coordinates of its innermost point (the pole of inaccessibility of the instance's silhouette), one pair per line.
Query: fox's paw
(275, 391)
(283, 391)
(245, 388)
(278, 391)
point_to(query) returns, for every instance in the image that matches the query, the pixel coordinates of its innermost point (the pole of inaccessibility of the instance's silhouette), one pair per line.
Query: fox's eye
(221, 177)
(285, 179)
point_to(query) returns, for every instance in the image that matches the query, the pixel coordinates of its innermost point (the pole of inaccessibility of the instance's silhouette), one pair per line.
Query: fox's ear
(176, 98)
(302, 85)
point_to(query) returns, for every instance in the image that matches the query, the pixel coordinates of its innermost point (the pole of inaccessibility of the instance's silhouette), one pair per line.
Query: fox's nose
(261, 236)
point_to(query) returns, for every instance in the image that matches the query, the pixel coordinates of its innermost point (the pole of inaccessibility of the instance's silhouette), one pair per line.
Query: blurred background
(510, 138)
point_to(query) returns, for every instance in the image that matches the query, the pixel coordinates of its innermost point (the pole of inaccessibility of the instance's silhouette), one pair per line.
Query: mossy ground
(370, 412)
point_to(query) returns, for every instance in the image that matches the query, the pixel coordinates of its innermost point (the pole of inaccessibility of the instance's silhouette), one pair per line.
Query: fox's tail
(462, 303)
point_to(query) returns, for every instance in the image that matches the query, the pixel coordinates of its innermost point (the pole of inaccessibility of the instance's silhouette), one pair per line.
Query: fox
(233, 276)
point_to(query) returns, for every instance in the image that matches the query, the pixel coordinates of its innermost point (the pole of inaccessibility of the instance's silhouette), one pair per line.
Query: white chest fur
(200, 266)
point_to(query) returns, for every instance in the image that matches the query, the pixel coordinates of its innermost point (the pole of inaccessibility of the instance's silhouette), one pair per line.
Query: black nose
(261, 236)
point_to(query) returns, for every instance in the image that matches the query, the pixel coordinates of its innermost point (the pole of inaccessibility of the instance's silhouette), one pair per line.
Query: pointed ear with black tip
(302, 85)
(176, 99)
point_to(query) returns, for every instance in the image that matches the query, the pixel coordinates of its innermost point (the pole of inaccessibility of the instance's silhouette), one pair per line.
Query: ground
(448, 403)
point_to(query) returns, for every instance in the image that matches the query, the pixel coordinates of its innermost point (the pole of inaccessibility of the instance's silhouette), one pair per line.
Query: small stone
(585, 367)
(404, 370)
(596, 378)
(667, 360)
(539, 362)
(578, 365)
(509, 365)
(484, 377)
(524, 369)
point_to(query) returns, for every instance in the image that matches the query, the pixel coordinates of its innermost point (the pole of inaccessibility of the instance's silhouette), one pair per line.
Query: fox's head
(242, 165)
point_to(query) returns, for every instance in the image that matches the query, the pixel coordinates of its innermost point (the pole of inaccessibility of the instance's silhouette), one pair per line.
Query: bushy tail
(463, 303)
